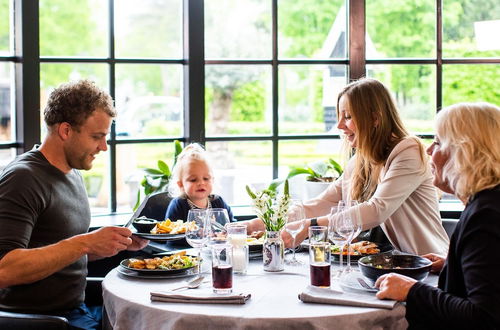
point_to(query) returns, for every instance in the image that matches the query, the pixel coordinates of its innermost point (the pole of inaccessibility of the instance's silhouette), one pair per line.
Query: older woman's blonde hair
(192, 152)
(469, 134)
(379, 130)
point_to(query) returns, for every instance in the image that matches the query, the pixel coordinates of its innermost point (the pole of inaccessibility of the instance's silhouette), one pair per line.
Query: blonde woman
(466, 162)
(388, 174)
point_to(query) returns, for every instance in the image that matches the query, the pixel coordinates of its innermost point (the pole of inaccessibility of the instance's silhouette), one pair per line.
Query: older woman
(466, 162)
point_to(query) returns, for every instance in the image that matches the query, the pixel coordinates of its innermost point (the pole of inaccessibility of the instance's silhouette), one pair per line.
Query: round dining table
(274, 304)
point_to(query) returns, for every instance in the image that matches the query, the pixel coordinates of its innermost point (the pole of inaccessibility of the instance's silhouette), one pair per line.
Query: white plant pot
(313, 189)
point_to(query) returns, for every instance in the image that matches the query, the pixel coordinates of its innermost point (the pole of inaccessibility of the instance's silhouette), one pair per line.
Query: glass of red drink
(319, 264)
(222, 269)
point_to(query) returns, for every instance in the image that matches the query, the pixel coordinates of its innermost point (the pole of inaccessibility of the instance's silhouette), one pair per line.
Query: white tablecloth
(274, 305)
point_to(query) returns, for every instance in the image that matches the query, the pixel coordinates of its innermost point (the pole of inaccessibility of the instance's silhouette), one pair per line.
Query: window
(255, 82)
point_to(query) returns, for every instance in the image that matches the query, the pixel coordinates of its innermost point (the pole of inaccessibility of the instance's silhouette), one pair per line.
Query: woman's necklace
(194, 206)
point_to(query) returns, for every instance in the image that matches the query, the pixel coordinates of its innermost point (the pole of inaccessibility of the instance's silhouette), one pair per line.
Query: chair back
(156, 206)
(18, 321)
(449, 225)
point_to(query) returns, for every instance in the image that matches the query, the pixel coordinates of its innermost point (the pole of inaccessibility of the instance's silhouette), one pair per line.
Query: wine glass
(197, 231)
(351, 226)
(218, 219)
(294, 226)
(334, 235)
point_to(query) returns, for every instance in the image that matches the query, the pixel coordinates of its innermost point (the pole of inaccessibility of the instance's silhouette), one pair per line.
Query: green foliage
(319, 171)
(4, 24)
(157, 179)
(249, 102)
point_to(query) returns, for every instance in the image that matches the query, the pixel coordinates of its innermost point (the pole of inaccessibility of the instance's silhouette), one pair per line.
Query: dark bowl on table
(144, 225)
(372, 267)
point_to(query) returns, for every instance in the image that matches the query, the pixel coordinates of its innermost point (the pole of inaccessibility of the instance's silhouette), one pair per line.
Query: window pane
(5, 27)
(159, 22)
(310, 151)
(312, 29)
(308, 97)
(237, 164)
(97, 184)
(6, 156)
(149, 100)
(471, 83)
(404, 28)
(130, 160)
(414, 88)
(238, 100)
(6, 86)
(470, 28)
(238, 29)
(53, 75)
(73, 28)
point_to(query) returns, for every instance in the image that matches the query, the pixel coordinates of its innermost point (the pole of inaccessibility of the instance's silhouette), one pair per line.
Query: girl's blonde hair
(192, 152)
(468, 133)
(379, 129)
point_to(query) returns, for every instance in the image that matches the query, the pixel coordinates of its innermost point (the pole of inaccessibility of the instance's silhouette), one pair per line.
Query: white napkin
(335, 297)
(199, 297)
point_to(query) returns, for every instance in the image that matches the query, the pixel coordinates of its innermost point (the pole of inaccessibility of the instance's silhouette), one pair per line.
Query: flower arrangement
(271, 207)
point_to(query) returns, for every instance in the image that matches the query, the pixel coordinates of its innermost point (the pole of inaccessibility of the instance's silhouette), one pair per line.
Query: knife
(137, 212)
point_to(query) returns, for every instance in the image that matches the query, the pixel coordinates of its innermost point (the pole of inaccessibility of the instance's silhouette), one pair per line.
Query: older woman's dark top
(468, 293)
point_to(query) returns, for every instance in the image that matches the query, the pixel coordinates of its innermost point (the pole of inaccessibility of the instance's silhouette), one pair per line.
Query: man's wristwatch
(314, 221)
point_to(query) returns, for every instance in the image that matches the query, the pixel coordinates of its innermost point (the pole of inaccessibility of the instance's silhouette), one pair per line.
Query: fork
(366, 285)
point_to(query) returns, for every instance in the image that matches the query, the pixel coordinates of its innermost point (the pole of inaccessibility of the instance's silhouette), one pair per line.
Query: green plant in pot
(157, 179)
(319, 175)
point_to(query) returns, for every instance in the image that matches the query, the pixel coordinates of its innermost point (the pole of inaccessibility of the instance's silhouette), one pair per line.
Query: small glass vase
(273, 251)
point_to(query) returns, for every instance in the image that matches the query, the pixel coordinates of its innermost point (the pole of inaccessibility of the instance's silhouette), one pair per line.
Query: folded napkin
(335, 297)
(199, 297)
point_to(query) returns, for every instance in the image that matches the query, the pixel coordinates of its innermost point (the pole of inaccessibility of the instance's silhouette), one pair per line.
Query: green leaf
(336, 166)
(286, 190)
(299, 170)
(151, 171)
(138, 201)
(177, 150)
(164, 168)
(274, 184)
(250, 192)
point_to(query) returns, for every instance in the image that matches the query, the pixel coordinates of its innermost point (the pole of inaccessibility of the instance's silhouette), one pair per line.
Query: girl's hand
(437, 261)
(394, 286)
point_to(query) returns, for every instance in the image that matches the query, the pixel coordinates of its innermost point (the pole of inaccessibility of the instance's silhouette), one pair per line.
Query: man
(45, 214)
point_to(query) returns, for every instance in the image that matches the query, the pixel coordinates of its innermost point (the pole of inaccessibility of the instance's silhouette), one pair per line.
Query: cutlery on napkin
(199, 297)
(328, 296)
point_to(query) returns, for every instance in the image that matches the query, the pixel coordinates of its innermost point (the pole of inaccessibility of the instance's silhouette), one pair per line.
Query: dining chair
(17, 321)
(449, 226)
(156, 206)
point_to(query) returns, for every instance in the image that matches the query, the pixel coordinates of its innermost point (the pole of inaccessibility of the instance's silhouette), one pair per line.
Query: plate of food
(166, 231)
(358, 250)
(172, 264)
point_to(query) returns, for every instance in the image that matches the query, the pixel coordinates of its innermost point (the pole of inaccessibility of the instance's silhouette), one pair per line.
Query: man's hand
(107, 241)
(394, 286)
(137, 243)
(437, 261)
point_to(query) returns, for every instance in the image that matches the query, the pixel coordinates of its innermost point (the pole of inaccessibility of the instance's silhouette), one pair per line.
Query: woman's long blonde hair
(379, 129)
(468, 133)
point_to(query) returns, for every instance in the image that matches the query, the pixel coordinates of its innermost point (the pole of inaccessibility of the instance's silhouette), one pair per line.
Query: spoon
(193, 284)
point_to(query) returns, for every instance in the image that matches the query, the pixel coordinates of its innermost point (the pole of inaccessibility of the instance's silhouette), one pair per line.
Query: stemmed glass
(218, 219)
(294, 226)
(350, 226)
(334, 235)
(197, 231)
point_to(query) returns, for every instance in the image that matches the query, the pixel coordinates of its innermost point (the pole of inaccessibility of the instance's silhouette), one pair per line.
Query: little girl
(192, 180)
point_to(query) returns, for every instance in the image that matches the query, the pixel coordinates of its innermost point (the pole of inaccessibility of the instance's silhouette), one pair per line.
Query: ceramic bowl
(409, 265)
(144, 225)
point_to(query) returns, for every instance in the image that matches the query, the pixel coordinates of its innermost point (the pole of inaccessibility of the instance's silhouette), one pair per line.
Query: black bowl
(144, 225)
(409, 265)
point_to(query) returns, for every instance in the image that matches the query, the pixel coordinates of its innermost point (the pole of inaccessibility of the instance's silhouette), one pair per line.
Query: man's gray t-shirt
(39, 206)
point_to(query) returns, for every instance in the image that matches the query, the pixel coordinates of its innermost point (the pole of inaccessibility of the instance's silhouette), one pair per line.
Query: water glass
(237, 234)
(218, 218)
(320, 264)
(222, 269)
(318, 234)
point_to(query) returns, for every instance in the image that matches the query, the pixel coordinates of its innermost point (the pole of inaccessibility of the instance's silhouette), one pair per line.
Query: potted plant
(157, 179)
(319, 175)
